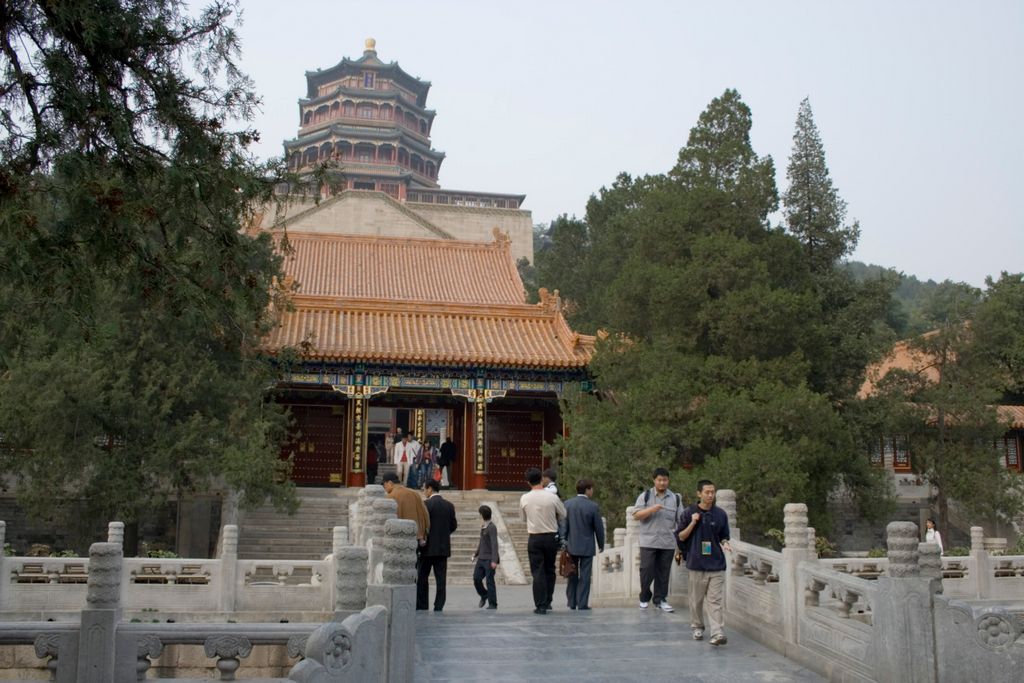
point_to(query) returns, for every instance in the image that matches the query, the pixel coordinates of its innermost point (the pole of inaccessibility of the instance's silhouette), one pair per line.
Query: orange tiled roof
(404, 269)
(457, 303)
(1015, 414)
(902, 357)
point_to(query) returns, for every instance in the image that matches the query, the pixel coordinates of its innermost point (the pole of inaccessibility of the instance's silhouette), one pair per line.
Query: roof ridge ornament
(550, 302)
(371, 46)
(501, 237)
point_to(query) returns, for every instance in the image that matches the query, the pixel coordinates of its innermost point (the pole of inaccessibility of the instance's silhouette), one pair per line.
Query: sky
(918, 103)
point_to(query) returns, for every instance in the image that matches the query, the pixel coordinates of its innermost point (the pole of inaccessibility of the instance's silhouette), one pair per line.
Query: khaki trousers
(707, 588)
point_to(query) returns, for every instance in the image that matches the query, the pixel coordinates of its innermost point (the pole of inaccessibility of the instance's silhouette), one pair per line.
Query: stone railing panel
(352, 650)
(298, 585)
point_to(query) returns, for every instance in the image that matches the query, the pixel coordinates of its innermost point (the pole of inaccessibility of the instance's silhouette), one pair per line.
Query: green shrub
(958, 551)
(878, 552)
(777, 537)
(67, 552)
(825, 547)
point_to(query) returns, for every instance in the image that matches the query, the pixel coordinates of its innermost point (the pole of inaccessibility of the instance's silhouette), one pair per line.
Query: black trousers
(656, 566)
(440, 566)
(541, 549)
(577, 589)
(483, 572)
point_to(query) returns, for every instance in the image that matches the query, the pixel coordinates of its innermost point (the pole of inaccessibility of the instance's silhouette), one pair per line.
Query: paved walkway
(464, 643)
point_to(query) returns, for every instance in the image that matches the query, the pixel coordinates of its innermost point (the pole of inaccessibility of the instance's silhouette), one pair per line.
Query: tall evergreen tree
(813, 210)
(133, 298)
(712, 318)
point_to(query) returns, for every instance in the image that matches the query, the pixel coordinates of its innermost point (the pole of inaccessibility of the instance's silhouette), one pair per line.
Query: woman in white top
(932, 535)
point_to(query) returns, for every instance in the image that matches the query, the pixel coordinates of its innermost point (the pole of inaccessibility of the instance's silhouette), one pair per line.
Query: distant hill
(910, 294)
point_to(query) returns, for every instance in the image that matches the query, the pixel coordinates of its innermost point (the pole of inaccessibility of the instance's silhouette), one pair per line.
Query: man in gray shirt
(658, 510)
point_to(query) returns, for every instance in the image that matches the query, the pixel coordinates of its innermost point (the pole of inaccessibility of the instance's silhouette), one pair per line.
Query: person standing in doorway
(658, 510)
(403, 459)
(543, 514)
(438, 548)
(707, 529)
(583, 526)
(446, 460)
(486, 561)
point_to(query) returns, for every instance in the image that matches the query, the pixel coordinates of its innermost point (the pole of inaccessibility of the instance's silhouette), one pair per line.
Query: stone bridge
(912, 616)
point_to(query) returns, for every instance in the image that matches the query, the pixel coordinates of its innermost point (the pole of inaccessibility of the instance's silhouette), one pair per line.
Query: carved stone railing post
(228, 649)
(631, 554)
(619, 536)
(726, 499)
(115, 533)
(228, 567)
(812, 543)
(102, 614)
(350, 578)
(397, 593)
(339, 537)
(368, 518)
(795, 551)
(981, 574)
(977, 538)
(903, 640)
(929, 563)
(4, 567)
(373, 527)
(399, 552)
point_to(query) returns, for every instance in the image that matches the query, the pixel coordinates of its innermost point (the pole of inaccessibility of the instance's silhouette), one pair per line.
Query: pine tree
(134, 300)
(813, 210)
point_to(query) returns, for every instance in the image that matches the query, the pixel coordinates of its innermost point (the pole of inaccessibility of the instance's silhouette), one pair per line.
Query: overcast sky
(918, 103)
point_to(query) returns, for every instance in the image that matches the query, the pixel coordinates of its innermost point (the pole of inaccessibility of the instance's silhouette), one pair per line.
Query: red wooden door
(317, 446)
(513, 445)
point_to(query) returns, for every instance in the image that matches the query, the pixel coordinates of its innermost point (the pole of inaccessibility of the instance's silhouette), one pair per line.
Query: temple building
(365, 124)
(408, 312)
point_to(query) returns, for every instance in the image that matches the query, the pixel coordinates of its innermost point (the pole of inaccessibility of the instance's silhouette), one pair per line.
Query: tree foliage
(947, 409)
(814, 211)
(716, 320)
(133, 298)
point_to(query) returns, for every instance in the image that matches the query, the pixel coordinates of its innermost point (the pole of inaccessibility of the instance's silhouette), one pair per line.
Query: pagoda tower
(366, 122)
(370, 118)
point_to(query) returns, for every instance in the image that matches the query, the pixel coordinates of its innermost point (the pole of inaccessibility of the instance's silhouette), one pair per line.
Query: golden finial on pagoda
(371, 45)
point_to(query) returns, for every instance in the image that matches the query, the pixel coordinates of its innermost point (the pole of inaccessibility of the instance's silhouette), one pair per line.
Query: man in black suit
(582, 526)
(438, 548)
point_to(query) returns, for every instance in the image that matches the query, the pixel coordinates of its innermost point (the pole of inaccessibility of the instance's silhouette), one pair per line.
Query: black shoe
(438, 609)
(421, 609)
(582, 608)
(492, 607)
(483, 601)
(540, 610)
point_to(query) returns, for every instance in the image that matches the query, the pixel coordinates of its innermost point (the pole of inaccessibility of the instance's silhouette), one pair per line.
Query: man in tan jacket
(410, 505)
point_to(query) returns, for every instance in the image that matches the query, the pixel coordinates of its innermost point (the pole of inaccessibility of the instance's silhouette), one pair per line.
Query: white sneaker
(665, 607)
(643, 605)
(698, 634)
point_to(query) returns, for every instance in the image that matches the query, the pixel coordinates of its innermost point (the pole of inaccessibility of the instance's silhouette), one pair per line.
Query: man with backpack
(658, 510)
(704, 531)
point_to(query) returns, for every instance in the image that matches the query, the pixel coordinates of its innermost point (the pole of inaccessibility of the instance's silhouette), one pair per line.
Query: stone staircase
(266, 534)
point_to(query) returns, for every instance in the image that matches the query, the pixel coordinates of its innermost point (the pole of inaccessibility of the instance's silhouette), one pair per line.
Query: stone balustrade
(365, 638)
(911, 615)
